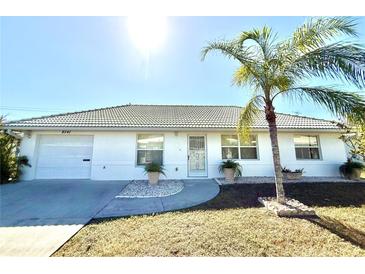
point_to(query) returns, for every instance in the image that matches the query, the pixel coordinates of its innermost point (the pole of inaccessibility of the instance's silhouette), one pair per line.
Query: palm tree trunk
(271, 119)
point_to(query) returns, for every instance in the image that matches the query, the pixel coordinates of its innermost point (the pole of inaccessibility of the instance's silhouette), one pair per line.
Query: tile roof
(165, 116)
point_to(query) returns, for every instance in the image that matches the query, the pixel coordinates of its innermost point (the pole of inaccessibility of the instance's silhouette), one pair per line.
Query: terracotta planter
(153, 177)
(292, 175)
(229, 174)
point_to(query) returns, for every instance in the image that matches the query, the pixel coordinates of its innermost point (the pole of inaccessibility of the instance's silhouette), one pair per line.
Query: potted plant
(230, 169)
(153, 171)
(351, 169)
(292, 174)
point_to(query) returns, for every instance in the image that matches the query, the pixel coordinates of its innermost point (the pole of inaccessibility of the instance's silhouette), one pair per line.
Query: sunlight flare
(148, 33)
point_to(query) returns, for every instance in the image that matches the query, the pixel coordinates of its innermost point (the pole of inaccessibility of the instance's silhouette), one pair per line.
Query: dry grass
(347, 222)
(351, 216)
(240, 229)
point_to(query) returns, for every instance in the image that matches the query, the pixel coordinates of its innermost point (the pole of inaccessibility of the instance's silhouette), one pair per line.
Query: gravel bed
(142, 189)
(271, 180)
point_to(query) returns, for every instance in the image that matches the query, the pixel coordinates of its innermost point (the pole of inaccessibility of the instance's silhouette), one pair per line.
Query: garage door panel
(68, 173)
(63, 139)
(65, 162)
(66, 152)
(61, 157)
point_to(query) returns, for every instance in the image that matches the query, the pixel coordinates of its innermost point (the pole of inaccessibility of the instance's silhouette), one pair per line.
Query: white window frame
(142, 149)
(318, 146)
(239, 146)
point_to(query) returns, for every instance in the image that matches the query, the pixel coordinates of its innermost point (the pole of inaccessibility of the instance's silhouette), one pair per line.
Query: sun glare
(147, 33)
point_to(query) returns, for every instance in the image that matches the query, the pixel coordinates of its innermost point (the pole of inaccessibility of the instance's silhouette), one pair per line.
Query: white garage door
(64, 157)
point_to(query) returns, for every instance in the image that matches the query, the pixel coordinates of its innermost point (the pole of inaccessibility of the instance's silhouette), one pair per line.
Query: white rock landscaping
(142, 189)
(291, 208)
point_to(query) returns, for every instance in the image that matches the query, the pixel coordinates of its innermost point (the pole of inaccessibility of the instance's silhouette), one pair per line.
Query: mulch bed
(320, 194)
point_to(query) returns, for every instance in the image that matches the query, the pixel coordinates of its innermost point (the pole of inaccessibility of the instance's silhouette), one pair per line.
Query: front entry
(197, 158)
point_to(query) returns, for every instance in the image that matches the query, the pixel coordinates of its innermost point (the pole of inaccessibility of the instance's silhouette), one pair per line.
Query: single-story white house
(190, 141)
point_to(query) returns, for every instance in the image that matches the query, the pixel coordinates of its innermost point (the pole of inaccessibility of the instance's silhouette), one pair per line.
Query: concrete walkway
(38, 217)
(40, 241)
(194, 193)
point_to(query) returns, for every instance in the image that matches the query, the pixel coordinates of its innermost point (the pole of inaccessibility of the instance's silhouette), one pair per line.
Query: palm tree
(275, 68)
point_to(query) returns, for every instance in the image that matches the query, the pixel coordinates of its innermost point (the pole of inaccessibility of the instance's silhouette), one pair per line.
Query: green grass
(234, 224)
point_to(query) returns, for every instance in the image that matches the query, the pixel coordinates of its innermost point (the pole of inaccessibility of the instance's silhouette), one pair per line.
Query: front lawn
(234, 224)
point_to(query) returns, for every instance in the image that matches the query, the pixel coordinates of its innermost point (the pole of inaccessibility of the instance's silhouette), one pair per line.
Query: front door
(197, 160)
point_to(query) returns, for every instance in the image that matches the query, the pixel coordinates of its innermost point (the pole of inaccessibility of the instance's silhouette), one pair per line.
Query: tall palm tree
(274, 68)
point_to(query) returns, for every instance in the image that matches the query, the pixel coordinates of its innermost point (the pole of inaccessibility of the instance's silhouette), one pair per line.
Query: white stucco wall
(114, 154)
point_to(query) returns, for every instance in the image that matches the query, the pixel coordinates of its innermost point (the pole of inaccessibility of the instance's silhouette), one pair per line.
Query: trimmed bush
(231, 164)
(10, 162)
(351, 169)
(154, 167)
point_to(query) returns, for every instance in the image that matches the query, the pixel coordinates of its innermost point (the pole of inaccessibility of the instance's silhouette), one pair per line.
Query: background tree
(10, 161)
(274, 68)
(360, 142)
(354, 138)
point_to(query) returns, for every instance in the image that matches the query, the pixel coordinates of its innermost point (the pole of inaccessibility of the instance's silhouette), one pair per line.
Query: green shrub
(349, 168)
(287, 170)
(10, 162)
(231, 164)
(154, 167)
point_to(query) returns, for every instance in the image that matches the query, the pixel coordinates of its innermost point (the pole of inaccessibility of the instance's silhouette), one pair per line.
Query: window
(232, 148)
(306, 147)
(149, 149)
(248, 149)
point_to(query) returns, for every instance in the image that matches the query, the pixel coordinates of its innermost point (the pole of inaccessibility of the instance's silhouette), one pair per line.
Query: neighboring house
(190, 141)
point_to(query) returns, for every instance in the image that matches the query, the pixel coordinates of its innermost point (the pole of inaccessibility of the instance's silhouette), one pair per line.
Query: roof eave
(260, 129)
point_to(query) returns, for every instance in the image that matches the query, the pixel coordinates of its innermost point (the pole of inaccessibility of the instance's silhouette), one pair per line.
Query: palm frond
(248, 115)
(242, 76)
(344, 61)
(340, 103)
(247, 74)
(281, 82)
(317, 31)
(230, 49)
(264, 38)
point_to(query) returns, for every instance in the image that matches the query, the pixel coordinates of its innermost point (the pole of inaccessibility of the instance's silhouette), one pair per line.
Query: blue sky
(58, 64)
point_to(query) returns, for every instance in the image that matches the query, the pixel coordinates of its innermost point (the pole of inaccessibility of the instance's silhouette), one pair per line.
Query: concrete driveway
(37, 217)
